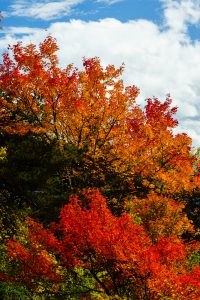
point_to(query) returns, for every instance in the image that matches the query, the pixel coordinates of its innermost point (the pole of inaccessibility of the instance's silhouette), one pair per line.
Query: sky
(157, 40)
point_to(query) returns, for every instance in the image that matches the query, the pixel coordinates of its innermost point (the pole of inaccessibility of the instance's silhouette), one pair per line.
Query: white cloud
(158, 60)
(22, 30)
(109, 1)
(45, 10)
(179, 13)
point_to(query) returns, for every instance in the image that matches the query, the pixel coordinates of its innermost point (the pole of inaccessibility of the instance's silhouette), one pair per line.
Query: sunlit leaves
(160, 216)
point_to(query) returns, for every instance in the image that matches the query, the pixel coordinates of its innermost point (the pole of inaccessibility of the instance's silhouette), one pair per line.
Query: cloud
(179, 13)
(42, 9)
(109, 1)
(48, 10)
(159, 59)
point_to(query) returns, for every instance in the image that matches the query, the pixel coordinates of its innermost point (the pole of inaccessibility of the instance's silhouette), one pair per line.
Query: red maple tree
(115, 250)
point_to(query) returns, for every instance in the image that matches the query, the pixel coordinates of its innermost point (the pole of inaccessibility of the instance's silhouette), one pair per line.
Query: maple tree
(91, 120)
(63, 130)
(154, 155)
(115, 251)
(78, 107)
(78, 111)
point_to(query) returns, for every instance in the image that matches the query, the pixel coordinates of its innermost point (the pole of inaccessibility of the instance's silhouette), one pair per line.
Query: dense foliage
(75, 144)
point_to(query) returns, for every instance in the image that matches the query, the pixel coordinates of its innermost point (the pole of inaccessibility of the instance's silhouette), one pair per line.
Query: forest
(99, 198)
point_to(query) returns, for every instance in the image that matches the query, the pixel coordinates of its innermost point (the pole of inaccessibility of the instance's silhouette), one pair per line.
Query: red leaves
(161, 114)
(91, 237)
(16, 250)
(33, 263)
(37, 234)
(94, 230)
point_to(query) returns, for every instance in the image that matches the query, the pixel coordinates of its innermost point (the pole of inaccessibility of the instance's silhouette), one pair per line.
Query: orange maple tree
(156, 158)
(93, 110)
(77, 107)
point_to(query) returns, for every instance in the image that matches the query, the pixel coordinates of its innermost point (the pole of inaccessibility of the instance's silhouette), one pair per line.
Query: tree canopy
(76, 145)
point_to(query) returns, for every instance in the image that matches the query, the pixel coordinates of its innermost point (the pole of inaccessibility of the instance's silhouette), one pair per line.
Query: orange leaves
(177, 286)
(77, 107)
(160, 216)
(48, 49)
(153, 153)
(93, 110)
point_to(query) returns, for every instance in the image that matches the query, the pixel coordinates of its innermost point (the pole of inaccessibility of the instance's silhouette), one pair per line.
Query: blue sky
(122, 10)
(158, 40)
(29, 12)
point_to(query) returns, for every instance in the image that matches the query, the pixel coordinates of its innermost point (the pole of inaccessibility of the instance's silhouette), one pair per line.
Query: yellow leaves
(149, 132)
(151, 186)
(3, 151)
(160, 216)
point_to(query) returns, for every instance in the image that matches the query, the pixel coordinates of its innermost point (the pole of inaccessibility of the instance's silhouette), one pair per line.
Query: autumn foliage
(76, 144)
(92, 111)
(115, 250)
(160, 216)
